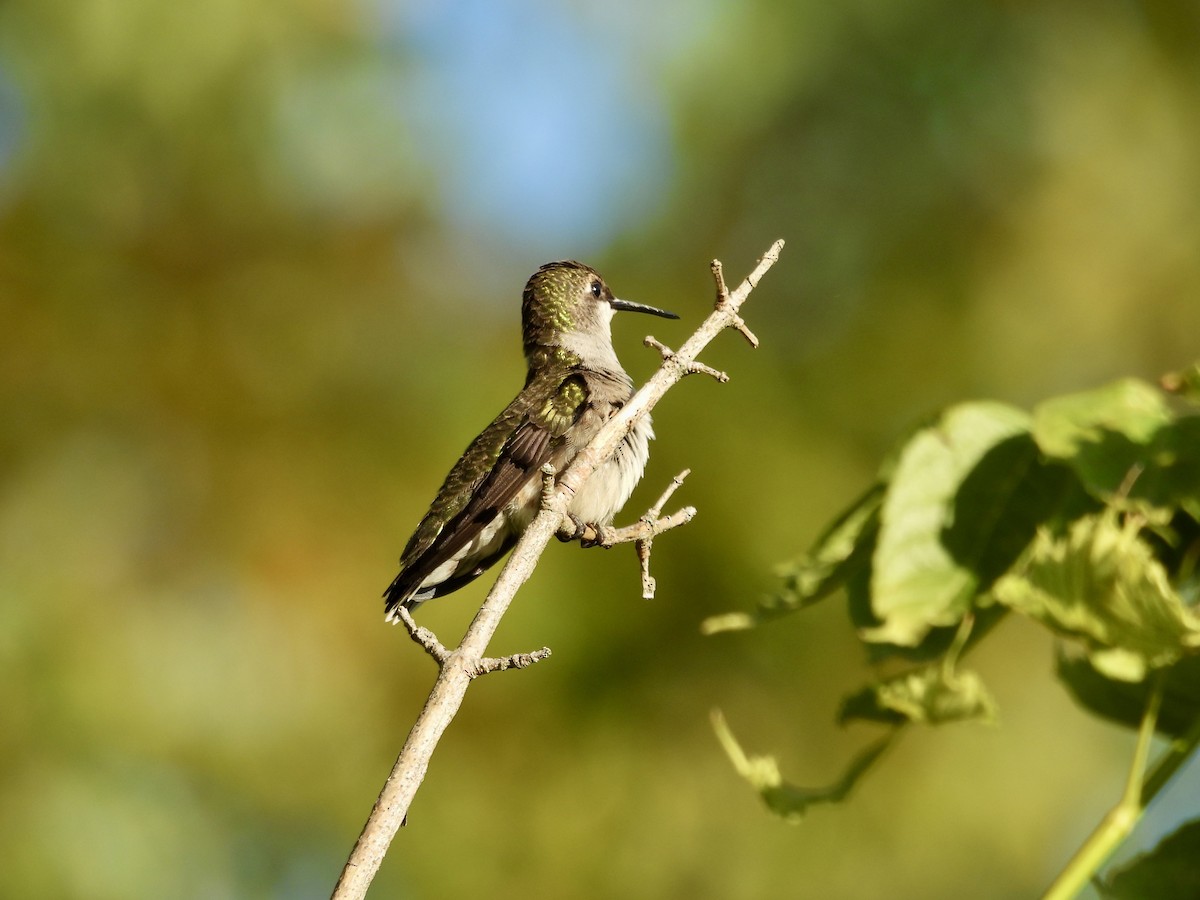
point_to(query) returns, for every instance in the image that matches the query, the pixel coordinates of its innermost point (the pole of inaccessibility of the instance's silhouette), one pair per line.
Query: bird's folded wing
(521, 459)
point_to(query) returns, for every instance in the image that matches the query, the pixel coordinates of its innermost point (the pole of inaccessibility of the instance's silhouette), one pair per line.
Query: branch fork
(725, 302)
(691, 367)
(428, 641)
(726, 306)
(641, 533)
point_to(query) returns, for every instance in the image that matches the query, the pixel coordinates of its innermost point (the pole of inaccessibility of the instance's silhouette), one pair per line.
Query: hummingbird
(574, 384)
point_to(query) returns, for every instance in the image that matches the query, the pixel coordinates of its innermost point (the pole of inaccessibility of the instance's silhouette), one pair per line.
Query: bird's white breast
(611, 485)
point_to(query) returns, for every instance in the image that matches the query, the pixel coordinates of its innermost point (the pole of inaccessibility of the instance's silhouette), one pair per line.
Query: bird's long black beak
(627, 306)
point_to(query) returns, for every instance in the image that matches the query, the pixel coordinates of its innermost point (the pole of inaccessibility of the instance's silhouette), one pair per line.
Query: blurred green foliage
(1081, 516)
(247, 326)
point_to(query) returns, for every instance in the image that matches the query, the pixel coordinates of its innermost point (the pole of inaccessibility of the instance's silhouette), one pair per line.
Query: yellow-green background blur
(260, 265)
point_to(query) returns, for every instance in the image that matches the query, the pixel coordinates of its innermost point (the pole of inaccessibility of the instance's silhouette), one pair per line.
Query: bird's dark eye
(596, 289)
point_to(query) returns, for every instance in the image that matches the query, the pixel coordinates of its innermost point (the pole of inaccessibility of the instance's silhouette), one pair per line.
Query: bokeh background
(260, 263)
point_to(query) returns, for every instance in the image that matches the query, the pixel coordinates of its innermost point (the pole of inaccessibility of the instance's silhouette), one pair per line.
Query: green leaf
(996, 513)
(937, 641)
(1124, 702)
(1169, 870)
(1101, 583)
(1178, 546)
(930, 695)
(784, 799)
(1066, 425)
(1001, 503)
(917, 583)
(1169, 475)
(1128, 447)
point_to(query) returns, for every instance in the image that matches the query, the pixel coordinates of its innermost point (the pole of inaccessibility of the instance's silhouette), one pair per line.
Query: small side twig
(423, 637)
(645, 528)
(490, 664)
(676, 483)
(485, 666)
(641, 533)
(651, 521)
(718, 271)
(649, 526)
(694, 367)
(736, 322)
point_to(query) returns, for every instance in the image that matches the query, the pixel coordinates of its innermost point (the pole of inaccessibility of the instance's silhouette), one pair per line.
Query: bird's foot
(592, 536)
(572, 531)
(588, 534)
